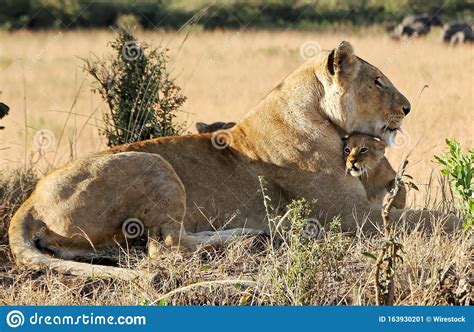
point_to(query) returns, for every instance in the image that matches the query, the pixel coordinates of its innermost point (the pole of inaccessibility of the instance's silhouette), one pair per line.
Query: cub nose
(406, 109)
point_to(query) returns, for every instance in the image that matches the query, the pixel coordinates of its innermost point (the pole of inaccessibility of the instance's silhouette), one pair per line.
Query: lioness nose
(406, 109)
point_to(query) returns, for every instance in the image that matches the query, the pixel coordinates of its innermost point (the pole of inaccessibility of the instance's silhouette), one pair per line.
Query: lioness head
(362, 152)
(359, 97)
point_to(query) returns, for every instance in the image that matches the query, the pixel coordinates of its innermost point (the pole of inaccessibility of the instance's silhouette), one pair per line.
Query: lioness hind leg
(182, 240)
(228, 233)
(174, 236)
(219, 238)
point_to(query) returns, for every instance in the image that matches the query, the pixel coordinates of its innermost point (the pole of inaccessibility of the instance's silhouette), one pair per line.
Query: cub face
(362, 152)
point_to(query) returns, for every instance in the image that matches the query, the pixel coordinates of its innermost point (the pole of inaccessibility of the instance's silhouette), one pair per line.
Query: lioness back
(221, 184)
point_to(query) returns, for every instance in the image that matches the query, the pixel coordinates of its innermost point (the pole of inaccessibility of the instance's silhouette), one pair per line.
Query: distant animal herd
(420, 25)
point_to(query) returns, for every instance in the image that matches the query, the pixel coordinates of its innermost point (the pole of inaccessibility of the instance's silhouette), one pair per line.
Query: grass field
(224, 74)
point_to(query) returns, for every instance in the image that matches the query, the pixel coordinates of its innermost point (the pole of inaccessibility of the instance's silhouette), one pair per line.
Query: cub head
(362, 152)
(359, 97)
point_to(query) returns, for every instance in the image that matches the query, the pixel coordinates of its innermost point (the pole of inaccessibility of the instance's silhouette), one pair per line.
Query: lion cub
(364, 158)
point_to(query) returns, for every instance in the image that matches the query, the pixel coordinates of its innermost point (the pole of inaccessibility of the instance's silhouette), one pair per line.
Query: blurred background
(226, 56)
(173, 14)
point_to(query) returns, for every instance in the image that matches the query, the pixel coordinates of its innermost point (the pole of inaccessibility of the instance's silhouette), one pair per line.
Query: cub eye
(347, 150)
(378, 83)
(364, 150)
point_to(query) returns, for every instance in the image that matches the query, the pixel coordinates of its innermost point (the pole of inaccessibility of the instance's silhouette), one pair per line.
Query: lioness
(292, 138)
(364, 158)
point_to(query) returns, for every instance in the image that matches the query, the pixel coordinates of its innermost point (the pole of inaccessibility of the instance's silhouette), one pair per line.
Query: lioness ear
(342, 60)
(201, 127)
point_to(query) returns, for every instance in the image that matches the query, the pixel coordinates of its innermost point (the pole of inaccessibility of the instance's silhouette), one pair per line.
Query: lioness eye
(378, 83)
(347, 150)
(364, 150)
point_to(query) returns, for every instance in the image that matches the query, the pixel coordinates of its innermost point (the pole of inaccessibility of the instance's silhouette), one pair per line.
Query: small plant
(389, 252)
(301, 263)
(302, 260)
(142, 99)
(459, 169)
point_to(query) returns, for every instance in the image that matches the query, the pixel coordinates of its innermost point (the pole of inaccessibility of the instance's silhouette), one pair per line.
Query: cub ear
(345, 138)
(228, 125)
(342, 61)
(201, 127)
(380, 143)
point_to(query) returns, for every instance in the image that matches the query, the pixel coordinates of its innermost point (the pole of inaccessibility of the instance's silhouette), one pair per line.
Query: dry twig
(385, 288)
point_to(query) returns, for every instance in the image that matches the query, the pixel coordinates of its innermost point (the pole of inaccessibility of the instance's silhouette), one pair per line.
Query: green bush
(302, 255)
(134, 82)
(302, 262)
(459, 169)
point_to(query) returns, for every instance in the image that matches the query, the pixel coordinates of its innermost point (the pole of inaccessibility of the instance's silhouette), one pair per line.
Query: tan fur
(292, 138)
(364, 158)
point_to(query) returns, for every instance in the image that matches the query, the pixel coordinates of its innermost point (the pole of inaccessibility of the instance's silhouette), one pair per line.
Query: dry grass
(224, 74)
(252, 271)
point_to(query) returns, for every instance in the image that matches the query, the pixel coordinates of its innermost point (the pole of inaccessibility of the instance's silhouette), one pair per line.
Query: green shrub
(459, 169)
(134, 82)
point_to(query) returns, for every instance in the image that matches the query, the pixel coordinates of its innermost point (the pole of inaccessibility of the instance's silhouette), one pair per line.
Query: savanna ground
(224, 74)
